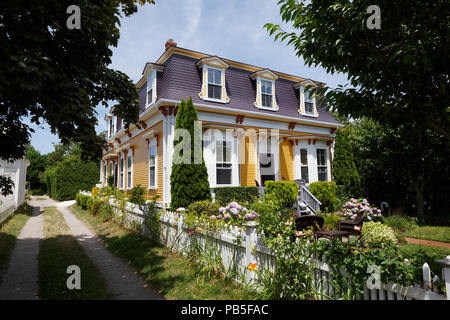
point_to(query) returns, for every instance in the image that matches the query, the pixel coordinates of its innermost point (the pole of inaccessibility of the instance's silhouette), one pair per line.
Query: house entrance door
(266, 167)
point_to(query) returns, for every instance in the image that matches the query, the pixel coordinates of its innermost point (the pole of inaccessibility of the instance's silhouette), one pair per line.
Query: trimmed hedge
(70, 176)
(242, 195)
(325, 192)
(285, 192)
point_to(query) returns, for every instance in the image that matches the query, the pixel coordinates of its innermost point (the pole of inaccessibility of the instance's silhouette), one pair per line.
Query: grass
(426, 254)
(169, 273)
(436, 233)
(41, 198)
(9, 231)
(58, 250)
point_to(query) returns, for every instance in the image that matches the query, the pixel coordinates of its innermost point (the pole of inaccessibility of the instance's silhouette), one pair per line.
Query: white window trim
(258, 100)
(152, 76)
(204, 92)
(326, 162)
(153, 143)
(302, 109)
(312, 159)
(122, 177)
(209, 153)
(130, 154)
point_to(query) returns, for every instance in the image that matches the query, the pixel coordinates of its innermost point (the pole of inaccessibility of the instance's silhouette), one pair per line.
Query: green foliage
(378, 235)
(284, 192)
(97, 204)
(273, 219)
(70, 176)
(188, 181)
(106, 212)
(325, 192)
(82, 199)
(110, 181)
(203, 208)
(331, 221)
(89, 204)
(35, 170)
(344, 168)
(137, 195)
(242, 195)
(400, 223)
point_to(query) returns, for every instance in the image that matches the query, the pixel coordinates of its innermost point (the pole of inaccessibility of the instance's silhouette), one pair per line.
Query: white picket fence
(238, 248)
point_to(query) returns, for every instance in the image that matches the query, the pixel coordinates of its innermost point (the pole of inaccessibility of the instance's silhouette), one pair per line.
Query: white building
(17, 171)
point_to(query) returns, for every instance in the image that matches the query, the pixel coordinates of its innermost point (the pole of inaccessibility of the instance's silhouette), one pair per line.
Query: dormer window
(214, 83)
(265, 90)
(213, 79)
(150, 72)
(266, 94)
(307, 103)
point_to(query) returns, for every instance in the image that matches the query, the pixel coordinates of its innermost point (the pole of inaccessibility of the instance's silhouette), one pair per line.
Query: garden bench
(354, 226)
(333, 234)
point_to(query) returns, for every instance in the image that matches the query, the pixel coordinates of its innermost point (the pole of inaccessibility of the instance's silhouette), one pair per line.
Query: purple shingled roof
(182, 78)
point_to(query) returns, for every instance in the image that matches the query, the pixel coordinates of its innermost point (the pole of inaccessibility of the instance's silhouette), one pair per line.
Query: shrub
(77, 198)
(344, 168)
(331, 221)
(83, 201)
(188, 181)
(284, 192)
(354, 207)
(69, 176)
(325, 192)
(106, 212)
(89, 204)
(110, 181)
(242, 195)
(96, 206)
(378, 235)
(203, 208)
(400, 223)
(273, 219)
(137, 195)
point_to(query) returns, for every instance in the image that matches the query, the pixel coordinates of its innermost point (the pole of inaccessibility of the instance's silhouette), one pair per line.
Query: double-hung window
(304, 171)
(309, 102)
(223, 162)
(266, 93)
(104, 173)
(152, 165)
(214, 84)
(129, 170)
(121, 169)
(322, 167)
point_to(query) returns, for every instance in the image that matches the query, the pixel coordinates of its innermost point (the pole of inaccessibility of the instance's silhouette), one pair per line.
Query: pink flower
(299, 233)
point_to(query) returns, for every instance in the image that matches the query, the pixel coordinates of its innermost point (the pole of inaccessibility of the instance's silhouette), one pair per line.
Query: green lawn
(426, 254)
(170, 274)
(9, 230)
(58, 250)
(436, 233)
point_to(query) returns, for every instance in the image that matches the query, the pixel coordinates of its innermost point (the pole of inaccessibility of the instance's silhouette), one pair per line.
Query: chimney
(170, 43)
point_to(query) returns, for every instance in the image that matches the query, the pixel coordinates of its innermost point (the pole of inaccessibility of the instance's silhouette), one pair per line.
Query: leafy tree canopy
(58, 75)
(399, 74)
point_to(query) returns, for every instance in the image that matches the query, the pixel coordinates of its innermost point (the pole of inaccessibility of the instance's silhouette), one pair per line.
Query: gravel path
(122, 281)
(20, 280)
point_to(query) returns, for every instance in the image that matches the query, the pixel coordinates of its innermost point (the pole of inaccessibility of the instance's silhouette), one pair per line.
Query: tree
(399, 74)
(404, 166)
(188, 181)
(38, 163)
(344, 168)
(58, 75)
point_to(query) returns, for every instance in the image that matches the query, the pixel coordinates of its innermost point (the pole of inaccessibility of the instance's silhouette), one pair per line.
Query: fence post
(446, 274)
(251, 237)
(426, 273)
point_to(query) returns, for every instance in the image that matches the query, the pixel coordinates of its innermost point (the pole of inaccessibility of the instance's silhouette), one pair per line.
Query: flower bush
(354, 207)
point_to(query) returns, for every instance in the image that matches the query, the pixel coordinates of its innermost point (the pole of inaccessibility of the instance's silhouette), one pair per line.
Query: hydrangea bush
(354, 207)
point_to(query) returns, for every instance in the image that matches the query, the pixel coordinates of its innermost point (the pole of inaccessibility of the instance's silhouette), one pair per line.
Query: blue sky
(231, 29)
